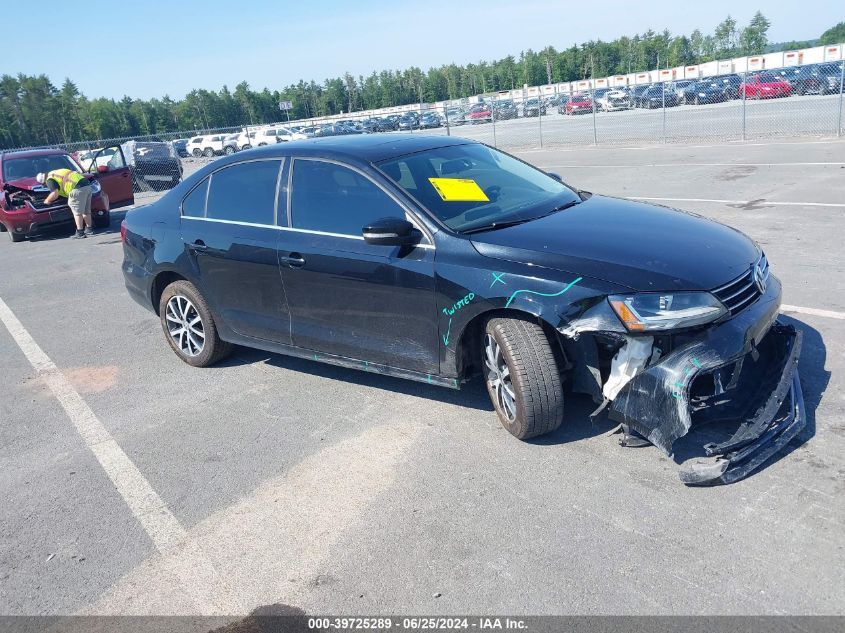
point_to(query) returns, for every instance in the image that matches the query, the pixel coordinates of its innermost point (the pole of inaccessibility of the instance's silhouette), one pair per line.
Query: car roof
(30, 153)
(367, 147)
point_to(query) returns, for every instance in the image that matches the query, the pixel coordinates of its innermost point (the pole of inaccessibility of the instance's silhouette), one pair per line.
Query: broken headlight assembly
(657, 311)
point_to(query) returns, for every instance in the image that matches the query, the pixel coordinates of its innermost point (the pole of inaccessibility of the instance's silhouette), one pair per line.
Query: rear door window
(245, 192)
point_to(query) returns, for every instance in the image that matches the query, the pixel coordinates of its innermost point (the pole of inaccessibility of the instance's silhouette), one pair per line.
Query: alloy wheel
(184, 325)
(499, 378)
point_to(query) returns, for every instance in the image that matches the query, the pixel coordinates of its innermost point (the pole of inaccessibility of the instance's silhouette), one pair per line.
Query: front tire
(522, 377)
(208, 153)
(16, 237)
(189, 326)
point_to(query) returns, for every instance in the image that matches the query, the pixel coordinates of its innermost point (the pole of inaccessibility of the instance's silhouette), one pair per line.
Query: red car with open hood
(22, 208)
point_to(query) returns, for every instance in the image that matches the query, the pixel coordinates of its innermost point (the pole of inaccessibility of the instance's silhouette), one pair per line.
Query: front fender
(465, 294)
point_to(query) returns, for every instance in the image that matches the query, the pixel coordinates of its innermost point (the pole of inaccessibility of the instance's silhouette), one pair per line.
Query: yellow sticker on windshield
(459, 190)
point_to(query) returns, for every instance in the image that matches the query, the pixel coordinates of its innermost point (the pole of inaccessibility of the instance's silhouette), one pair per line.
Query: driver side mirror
(102, 169)
(391, 232)
(555, 176)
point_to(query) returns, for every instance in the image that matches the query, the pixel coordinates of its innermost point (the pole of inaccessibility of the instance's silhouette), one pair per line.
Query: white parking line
(762, 202)
(202, 582)
(822, 313)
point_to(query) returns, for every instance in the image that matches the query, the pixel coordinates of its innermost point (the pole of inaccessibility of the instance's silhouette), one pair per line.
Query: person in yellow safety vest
(72, 185)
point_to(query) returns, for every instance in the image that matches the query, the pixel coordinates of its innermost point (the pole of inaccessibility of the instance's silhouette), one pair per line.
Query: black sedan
(805, 80)
(430, 120)
(533, 107)
(704, 92)
(656, 97)
(437, 258)
(408, 122)
(503, 110)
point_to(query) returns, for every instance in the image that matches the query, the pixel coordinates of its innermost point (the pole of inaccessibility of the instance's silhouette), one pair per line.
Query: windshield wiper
(503, 225)
(561, 207)
(496, 225)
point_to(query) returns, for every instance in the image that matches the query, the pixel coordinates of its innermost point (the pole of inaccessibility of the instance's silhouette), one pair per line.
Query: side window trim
(409, 215)
(278, 188)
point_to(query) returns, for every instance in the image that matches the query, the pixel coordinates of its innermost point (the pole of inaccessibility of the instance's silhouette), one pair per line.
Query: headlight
(648, 312)
(96, 187)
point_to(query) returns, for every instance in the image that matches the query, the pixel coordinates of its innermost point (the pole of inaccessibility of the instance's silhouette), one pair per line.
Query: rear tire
(101, 222)
(197, 152)
(522, 377)
(189, 326)
(229, 150)
(16, 237)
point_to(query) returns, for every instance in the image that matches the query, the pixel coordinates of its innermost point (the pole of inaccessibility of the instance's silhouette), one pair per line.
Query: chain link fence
(792, 102)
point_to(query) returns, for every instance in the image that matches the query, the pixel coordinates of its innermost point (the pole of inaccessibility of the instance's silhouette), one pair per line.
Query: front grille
(742, 291)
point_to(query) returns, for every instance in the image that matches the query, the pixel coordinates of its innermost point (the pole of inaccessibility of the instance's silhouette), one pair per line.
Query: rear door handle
(294, 260)
(198, 246)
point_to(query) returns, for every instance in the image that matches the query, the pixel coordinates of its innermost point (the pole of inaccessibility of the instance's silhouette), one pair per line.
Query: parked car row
(210, 145)
(811, 79)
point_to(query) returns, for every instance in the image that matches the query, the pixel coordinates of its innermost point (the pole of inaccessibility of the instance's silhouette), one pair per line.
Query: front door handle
(198, 246)
(294, 260)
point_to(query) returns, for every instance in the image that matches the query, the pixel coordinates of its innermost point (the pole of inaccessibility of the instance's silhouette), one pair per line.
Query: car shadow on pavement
(472, 394)
(814, 381)
(577, 424)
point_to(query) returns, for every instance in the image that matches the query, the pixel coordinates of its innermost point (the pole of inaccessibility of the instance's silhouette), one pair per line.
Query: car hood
(29, 184)
(632, 244)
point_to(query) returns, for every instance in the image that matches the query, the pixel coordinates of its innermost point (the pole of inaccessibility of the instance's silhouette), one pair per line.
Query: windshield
(471, 186)
(20, 168)
(148, 151)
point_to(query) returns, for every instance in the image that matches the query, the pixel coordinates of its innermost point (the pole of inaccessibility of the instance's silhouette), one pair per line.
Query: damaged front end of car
(724, 358)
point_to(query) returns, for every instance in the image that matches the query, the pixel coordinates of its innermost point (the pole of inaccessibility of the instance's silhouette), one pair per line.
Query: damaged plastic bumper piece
(743, 370)
(775, 423)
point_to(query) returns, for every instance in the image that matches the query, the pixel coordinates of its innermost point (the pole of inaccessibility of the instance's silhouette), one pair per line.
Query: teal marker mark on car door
(446, 336)
(497, 278)
(544, 294)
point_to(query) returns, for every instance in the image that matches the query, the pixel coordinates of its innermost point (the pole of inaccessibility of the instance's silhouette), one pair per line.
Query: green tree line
(33, 111)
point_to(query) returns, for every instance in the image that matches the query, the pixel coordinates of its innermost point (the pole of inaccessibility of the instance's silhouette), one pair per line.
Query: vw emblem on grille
(759, 278)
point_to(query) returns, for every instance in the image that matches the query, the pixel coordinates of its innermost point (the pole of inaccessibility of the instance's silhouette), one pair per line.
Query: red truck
(22, 209)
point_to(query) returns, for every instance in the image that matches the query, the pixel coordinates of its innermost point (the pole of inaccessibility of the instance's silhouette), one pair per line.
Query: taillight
(123, 231)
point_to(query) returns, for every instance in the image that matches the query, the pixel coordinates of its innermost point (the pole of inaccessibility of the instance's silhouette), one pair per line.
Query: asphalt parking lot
(135, 484)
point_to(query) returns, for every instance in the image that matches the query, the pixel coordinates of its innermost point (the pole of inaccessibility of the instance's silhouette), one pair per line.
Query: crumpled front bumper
(751, 363)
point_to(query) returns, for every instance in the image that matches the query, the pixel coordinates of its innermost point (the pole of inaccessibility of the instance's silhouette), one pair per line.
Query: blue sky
(156, 48)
